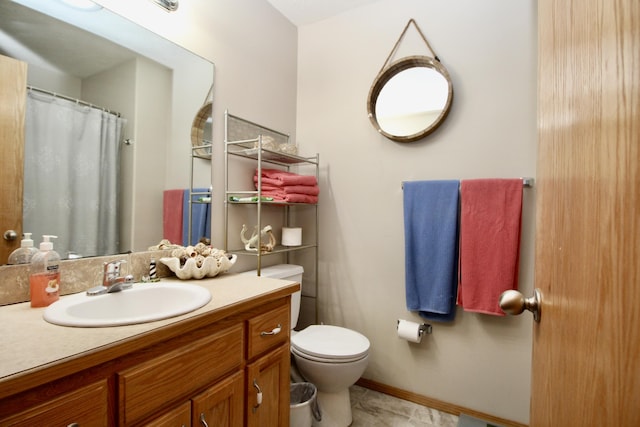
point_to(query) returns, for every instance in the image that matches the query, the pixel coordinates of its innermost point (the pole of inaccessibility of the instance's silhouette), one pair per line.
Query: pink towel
(288, 178)
(291, 198)
(490, 218)
(311, 190)
(172, 215)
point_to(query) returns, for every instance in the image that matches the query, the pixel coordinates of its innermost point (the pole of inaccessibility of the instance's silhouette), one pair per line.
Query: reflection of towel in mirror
(431, 247)
(172, 202)
(490, 217)
(200, 215)
(280, 177)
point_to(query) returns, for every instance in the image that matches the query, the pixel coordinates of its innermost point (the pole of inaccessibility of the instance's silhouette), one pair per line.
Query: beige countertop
(30, 343)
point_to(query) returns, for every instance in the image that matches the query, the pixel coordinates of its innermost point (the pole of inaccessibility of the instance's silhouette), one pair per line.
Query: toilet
(333, 358)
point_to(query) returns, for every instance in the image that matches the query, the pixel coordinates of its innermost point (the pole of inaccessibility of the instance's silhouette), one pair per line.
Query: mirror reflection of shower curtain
(71, 174)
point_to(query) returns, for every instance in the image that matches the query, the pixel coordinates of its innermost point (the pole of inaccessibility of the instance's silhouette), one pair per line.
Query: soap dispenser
(44, 277)
(23, 254)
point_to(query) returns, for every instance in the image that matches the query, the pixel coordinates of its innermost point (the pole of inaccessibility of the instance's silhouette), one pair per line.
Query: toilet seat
(332, 344)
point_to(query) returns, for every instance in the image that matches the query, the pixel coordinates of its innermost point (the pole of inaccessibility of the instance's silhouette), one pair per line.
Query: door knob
(513, 302)
(10, 235)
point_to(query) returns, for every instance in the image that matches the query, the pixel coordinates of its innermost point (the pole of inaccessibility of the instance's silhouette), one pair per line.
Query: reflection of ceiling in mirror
(412, 91)
(27, 34)
(115, 28)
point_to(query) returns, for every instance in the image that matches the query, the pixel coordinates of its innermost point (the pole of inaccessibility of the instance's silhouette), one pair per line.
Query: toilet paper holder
(423, 329)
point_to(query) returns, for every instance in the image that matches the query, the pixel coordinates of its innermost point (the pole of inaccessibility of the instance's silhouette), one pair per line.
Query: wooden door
(13, 86)
(586, 355)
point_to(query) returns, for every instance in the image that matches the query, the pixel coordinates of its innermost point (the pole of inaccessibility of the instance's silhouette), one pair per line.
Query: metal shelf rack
(246, 139)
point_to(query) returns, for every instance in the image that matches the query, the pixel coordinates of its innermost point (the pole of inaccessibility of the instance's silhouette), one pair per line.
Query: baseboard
(434, 403)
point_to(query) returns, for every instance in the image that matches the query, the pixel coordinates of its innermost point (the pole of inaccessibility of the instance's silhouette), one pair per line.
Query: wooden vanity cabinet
(205, 372)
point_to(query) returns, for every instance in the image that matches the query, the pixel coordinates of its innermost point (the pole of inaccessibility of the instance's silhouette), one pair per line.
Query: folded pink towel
(172, 202)
(311, 190)
(276, 193)
(288, 178)
(291, 198)
(490, 217)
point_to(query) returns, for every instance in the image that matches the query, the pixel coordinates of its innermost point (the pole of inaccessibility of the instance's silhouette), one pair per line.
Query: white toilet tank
(287, 272)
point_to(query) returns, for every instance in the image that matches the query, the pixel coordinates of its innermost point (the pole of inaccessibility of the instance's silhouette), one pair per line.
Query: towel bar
(526, 182)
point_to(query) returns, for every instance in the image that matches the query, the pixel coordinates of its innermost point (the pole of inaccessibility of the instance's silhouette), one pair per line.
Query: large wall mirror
(410, 98)
(102, 58)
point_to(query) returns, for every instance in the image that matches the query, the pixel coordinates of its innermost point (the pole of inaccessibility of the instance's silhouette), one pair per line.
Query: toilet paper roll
(291, 236)
(409, 331)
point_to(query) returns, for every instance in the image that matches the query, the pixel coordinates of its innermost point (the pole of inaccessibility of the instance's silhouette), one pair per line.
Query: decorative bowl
(209, 266)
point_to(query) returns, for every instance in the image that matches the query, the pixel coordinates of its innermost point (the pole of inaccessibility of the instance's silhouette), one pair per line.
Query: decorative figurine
(251, 244)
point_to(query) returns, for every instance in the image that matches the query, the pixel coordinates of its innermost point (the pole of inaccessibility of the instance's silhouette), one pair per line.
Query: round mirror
(202, 130)
(410, 98)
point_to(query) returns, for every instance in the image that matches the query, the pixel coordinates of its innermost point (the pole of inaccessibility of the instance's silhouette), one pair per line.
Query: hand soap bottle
(23, 254)
(44, 278)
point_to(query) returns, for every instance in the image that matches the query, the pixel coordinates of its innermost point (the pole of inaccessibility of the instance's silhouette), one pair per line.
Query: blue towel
(431, 248)
(201, 218)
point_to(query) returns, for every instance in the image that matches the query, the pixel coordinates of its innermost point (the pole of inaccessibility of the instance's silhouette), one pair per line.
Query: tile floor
(373, 409)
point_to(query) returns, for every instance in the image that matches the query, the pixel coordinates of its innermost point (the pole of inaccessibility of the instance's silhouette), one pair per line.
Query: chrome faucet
(112, 281)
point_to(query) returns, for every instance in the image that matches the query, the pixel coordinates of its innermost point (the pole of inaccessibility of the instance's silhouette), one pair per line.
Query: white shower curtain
(71, 170)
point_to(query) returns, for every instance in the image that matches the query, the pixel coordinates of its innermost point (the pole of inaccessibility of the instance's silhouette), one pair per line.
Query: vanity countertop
(30, 344)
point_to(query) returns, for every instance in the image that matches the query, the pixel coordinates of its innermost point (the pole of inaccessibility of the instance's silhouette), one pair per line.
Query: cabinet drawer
(151, 385)
(268, 330)
(86, 406)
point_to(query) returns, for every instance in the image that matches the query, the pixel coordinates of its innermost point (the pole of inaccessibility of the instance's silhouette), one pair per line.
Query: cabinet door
(268, 377)
(221, 405)
(180, 416)
(85, 407)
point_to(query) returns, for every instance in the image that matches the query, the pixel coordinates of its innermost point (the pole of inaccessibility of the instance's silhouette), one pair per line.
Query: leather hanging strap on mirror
(395, 47)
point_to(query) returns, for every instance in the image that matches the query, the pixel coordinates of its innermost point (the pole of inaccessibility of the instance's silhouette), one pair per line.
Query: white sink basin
(144, 302)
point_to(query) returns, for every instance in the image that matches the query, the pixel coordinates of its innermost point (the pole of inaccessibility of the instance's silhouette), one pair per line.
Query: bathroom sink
(144, 302)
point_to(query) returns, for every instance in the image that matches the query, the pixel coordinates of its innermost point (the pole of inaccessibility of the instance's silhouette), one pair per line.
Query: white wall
(489, 47)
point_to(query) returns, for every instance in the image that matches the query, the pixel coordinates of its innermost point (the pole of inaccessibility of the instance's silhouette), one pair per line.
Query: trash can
(304, 405)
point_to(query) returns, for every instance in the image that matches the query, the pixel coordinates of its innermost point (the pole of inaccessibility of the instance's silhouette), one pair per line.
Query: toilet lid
(330, 342)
